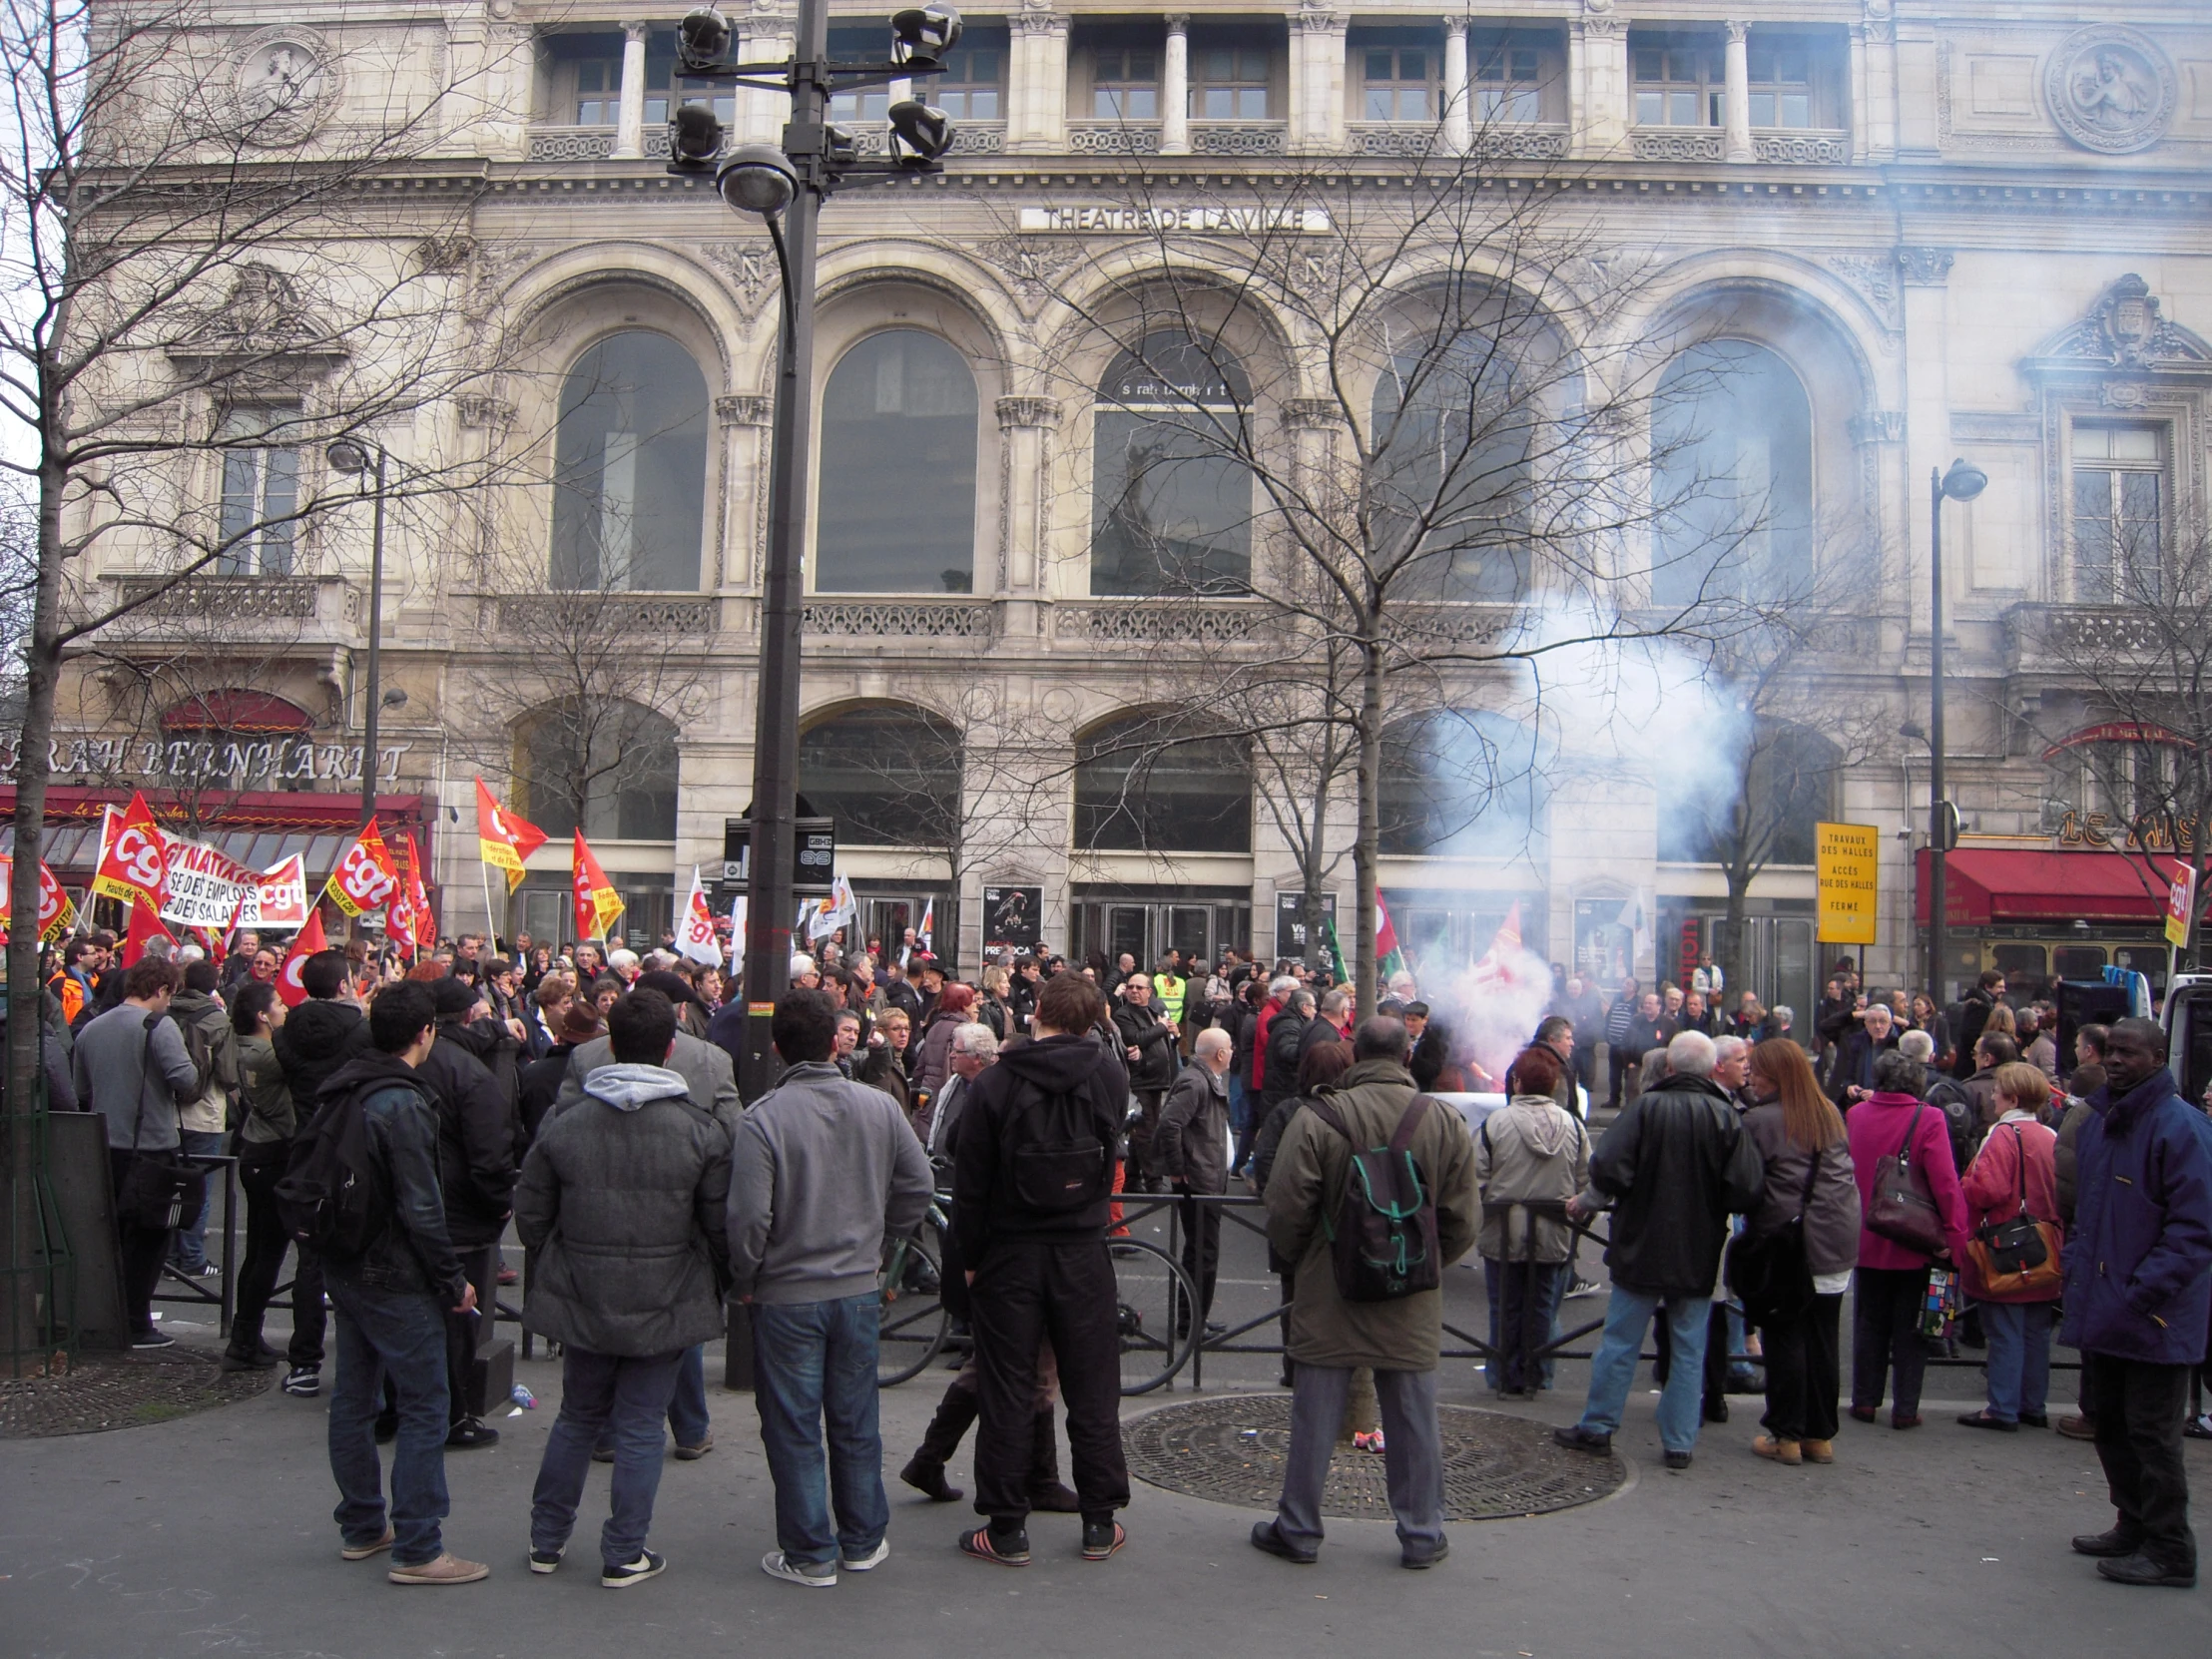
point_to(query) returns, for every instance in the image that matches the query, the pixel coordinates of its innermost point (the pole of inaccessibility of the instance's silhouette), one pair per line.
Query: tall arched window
(630, 468)
(603, 765)
(1464, 782)
(890, 776)
(1171, 508)
(1152, 783)
(1450, 477)
(897, 496)
(1732, 477)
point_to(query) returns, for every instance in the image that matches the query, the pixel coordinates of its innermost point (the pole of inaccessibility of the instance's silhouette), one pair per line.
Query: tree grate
(112, 1390)
(1230, 1450)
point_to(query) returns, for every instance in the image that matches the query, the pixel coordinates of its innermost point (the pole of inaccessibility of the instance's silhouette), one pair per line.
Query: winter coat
(1257, 1078)
(935, 1043)
(1992, 1189)
(1269, 1139)
(494, 1047)
(1278, 1063)
(538, 1085)
(1967, 1017)
(1191, 1142)
(1831, 1216)
(317, 1038)
(994, 1124)
(886, 1068)
(1855, 1063)
(130, 1066)
(2140, 1259)
(1145, 1031)
(706, 1068)
(2066, 1160)
(1529, 1151)
(1643, 1035)
(414, 1252)
(208, 1111)
(1878, 1129)
(621, 1208)
(477, 1135)
(1305, 1195)
(1675, 1165)
(269, 1115)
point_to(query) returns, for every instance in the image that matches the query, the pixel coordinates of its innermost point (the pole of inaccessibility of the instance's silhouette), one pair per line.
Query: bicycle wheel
(1156, 1308)
(913, 1317)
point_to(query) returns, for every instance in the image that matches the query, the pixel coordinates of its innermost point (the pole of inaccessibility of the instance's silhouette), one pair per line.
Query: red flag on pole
(305, 943)
(503, 839)
(596, 903)
(133, 856)
(364, 880)
(146, 926)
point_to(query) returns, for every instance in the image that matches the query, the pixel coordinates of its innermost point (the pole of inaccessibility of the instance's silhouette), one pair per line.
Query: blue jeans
(603, 1393)
(191, 1246)
(815, 1360)
(401, 1335)
(687, 1406)
(1613, 1368)
(2020, 1357)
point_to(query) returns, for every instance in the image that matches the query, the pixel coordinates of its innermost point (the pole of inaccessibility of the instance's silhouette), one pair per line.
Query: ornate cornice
(1027, 411)
(1924, 267)
(745, 409)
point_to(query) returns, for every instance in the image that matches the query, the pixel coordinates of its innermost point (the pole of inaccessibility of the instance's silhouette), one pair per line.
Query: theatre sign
(238, 764)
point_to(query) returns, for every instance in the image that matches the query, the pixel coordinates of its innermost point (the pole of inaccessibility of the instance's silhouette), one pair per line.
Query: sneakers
(1101, 1538)
(1267, 1540)
(632, 1573)
(872, 1560)
(469, 1433)
(303, 1382)
(1578, 1438)
(546, 1560)
(1676, 1460)
(1581, 1288)
(692, 1453)
(779, 1565)
(1010, 1549)
(153, 1338)
(361, 1552)
(446, 1569)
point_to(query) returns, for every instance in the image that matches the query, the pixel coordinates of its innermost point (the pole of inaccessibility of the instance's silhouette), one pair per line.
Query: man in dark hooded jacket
(1032, 1201)
(317, 1038)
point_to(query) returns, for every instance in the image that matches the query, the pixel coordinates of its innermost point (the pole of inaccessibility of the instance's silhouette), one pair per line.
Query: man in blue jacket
(2138, 1294)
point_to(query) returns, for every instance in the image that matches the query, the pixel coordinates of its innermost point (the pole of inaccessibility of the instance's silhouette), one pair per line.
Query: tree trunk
(1739, 893)
(1367, 844)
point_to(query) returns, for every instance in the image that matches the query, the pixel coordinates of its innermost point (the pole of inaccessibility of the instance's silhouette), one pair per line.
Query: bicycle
(913, 1319)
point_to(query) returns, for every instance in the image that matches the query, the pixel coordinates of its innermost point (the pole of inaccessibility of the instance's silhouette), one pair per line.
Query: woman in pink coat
(2020, 1153)
(1892, 1282)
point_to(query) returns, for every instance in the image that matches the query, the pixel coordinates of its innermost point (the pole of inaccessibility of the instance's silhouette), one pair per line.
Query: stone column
(1879, 139)
(630, 125)
(1458, 113)
(1924, 275)
(1025, 425)
(769, 36)
(1316, 81)
(1037, 86)
(746, 420)
(1175, 88)
(1599, 81)
(1736, 95)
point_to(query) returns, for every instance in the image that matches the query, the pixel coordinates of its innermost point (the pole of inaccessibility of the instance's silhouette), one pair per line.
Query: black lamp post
(787, 185)
(1962, 484)
(355, 457)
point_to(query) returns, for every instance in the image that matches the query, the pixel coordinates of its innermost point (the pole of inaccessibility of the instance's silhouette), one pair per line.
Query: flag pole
(491, 923)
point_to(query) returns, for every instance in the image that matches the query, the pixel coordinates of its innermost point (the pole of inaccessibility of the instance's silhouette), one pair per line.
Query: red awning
(1994, 884)
(236, 711)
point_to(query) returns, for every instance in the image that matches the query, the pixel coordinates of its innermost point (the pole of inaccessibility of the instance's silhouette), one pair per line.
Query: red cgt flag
(133, 856)
(596, 903)
(305, 943)
(503, 838)
(146, 926)
(364, 880)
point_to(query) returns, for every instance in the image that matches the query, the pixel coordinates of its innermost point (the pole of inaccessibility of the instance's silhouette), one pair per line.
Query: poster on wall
(1289, 922)
(1010, 918)
(1604, 945)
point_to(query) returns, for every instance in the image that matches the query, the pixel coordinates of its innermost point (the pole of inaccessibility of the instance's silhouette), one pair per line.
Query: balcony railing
(1783, 145)
(1158, 620)
(205, 605)
(1800, 147)
(1124, 138)
(969, 138)
(967, 619)
(1239, 137)
(1677, 144)
(574, 144)
(1535, 142)
(517, 618)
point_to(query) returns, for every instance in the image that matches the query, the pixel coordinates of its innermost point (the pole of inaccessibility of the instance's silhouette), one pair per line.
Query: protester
(1890, 1285)
(1192, 1143)
(624, 1212)
(1377, 1104)
(267, 1121)
(821, 1170)
(1876, 1035)
(1970, 1016)
(392, 1304)
(201, 1120)
(1673, 1167)
(2138, 1298)
(1149, 1043)
(1808, 1186)
(1032, 1182)
(2014, 1175)
(1530, 1157)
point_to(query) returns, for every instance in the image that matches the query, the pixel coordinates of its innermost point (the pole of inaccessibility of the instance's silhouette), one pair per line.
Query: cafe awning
(2001, 885)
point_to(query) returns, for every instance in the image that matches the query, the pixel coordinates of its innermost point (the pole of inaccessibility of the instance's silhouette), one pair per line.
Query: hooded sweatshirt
(1002, 1116)
(1528, 1152)
(317, 1038)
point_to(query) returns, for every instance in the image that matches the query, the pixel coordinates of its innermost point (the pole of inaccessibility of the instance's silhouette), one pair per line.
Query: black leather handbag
(163, 1187)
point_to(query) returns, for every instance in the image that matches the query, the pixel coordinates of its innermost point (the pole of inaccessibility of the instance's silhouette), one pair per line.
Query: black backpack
(1058, 1165)
(1960, 1117)
(1382, 1243)
(334, 1199)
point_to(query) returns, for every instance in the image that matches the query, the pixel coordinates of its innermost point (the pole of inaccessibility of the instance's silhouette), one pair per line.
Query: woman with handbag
(1798, 1246)
(2011, 1266)
(1914, 1213)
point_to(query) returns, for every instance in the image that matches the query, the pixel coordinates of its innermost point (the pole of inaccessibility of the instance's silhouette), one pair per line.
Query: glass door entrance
(1146, 929)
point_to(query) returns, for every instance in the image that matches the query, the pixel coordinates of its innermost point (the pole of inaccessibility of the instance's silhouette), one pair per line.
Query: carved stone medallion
(2111, 89)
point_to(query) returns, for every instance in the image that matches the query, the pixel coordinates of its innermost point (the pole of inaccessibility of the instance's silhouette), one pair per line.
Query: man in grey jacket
(131, 1067)
(822, 1169)
(704, 1068)
(621, 1205)
(1192, 1144)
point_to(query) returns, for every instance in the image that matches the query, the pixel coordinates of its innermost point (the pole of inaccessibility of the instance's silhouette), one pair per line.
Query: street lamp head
(701, 38)
(923, 34)
(758, 178)
(694, 138)
(920, 133)
(1964, 481)
(395, 696)
(348, 455)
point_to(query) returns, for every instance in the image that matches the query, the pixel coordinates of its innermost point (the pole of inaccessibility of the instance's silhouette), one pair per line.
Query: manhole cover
(112, 1390)
(1230, 1450)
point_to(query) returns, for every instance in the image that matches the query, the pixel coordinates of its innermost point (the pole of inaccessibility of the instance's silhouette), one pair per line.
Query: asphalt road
(212, 1535)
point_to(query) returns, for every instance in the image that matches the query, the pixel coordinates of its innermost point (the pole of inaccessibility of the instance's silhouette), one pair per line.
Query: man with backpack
(1033, 1175)
(363, 1192)
(1414, 1207)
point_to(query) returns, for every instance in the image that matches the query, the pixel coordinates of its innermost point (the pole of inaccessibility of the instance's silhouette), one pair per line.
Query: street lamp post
(1962, 484)
(355, 457)
(787, 185)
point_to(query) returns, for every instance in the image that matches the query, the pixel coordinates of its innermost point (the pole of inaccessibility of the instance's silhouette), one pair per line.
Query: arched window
(1732, 477)
(1171, 508)
(1450, 473)
(1787, 776)
(630, 468)
(603, 765)
(1459, 782)
(1153, 784)
(897, 496)
(890, 776)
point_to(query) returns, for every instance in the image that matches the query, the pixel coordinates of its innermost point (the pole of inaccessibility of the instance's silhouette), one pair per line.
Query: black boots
(924, 1472)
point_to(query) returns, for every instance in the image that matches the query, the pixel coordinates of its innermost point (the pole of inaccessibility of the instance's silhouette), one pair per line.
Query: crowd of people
(1948, 1169)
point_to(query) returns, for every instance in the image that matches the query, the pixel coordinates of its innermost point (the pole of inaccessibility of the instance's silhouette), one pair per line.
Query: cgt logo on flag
(504, 840)
(133, 856)
(364, 880)
(596, 903)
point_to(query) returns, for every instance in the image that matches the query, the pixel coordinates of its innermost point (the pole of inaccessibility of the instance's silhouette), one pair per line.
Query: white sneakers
(779, 1565)
(872, 1560)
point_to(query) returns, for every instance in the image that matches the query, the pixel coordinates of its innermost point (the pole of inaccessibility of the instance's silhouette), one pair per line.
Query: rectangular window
(1125, 84)
(974, 85)
(1504, 80)
(1399, 83)
(1678, 83)
(1229, 83)
(598, 101)
(260, 493)
(869, 104)
(1781, 86)
(2119, 478)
